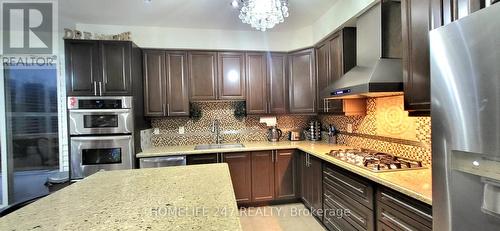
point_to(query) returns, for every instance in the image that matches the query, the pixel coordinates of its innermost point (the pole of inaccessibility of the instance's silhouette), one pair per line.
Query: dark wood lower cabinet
(241, 175)
(262, 176)
(211, 158)
(311, 183)
(396, 211)
(284, 175)
(349, 198)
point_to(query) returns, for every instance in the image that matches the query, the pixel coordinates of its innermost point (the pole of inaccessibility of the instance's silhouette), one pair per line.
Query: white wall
(337, 15)
(185, 38)
(162, 37)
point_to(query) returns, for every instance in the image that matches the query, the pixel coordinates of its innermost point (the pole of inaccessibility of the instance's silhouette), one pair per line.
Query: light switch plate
(182, 130)
(349, 128)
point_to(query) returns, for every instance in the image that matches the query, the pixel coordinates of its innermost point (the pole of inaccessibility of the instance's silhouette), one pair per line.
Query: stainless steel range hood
(379, 70)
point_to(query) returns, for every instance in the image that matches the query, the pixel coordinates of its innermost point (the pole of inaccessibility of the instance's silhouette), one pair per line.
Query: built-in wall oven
(101, 134)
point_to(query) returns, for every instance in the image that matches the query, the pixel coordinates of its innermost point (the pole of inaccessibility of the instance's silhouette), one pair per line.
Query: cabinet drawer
(357, 215)
(354, 187)
(395, 220)
(331, 218)
(408, 208)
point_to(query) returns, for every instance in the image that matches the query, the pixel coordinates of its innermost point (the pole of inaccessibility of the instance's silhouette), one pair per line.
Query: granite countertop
(198, 197)
(414, 183)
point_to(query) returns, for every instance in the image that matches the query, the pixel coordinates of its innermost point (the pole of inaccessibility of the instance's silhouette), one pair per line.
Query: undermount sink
(217, 146)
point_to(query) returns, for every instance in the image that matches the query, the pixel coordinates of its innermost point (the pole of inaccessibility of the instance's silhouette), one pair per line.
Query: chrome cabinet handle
(362, 220)
(386, 197)
(95, 88)
(168, 109)
(360, 190)
(100, 88)
(396, 222)
(163, 109)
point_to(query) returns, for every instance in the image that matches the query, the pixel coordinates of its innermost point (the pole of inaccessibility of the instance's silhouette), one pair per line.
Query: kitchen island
(198, 197)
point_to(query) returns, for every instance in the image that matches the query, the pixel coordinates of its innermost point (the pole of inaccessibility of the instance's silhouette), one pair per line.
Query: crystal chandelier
(262, 14)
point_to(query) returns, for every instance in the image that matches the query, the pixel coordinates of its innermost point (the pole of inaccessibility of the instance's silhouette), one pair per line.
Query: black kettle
(274, 134)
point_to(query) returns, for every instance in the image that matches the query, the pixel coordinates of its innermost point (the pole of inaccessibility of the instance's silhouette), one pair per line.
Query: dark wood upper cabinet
(416, 23)
(240, 168)
(257, 84)
(231, 81)
(262, 176)
(154, 82)
(165, 83)
(278, 84)
(82, 67)
(335, 56)
(284, 175)
(202, 75)
(302, 85)
(266, 83)
(98, 68)
(115, 56)
(177, 84)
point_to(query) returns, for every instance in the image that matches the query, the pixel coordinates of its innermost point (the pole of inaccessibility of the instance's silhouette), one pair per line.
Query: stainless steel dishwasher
(164, 161)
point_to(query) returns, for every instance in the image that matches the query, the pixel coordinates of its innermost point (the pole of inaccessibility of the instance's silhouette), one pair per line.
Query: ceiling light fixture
(263, 14)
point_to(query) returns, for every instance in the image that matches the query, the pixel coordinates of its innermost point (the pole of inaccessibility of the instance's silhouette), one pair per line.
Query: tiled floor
(289, 217)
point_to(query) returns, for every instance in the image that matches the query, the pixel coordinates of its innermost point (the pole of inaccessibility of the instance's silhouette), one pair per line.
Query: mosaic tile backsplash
(232, 129)
(385, 128)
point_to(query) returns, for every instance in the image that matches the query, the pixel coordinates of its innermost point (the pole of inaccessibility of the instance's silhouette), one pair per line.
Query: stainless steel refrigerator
(465, 82)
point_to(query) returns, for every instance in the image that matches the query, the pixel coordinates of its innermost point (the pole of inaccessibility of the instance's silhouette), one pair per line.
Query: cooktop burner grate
(375, 161)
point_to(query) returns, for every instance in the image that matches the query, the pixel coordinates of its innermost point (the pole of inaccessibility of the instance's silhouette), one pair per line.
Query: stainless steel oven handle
(101, 111)
(86, 138)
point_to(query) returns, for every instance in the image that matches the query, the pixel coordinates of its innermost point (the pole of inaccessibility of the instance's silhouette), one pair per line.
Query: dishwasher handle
(156, 162)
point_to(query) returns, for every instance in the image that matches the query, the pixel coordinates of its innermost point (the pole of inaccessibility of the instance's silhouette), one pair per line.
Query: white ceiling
(196, 14)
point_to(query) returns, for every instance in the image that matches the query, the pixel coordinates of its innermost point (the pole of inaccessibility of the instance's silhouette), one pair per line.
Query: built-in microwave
(100, 115)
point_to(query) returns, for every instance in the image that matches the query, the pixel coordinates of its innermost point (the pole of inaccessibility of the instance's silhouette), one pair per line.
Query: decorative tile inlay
(386, 128)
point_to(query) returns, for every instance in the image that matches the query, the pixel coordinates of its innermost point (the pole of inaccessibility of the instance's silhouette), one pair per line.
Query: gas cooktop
(375, 161)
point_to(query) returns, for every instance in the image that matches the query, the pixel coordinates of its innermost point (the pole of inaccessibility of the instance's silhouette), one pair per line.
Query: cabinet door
(278, 85)
(231, 82)
(322, 71)
(302, 82)
(177, 84)
(316, 172)
(447, 11)
(415, 17)
(257, 100)
(241, 175)
(154, 82)
(262, 176)
(202, 159)
(305, 181)
(116, 74)
(336, 70)
(82, 67)
(202, 75)
(285, 183)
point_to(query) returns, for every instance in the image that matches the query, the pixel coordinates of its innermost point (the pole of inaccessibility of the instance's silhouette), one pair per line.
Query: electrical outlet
(182, 130)
(349, 128)
(156, 131)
